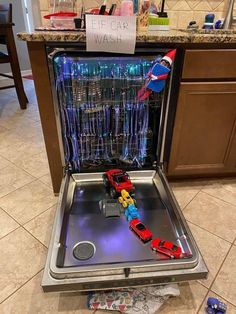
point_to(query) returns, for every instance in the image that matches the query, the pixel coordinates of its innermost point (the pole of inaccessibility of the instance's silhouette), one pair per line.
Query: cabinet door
(204, 133)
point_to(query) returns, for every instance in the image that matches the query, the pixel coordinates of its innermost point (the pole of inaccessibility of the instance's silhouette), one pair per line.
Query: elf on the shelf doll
(157, 76)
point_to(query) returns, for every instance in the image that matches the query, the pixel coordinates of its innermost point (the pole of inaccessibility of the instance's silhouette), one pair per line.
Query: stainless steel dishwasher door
(120, 258)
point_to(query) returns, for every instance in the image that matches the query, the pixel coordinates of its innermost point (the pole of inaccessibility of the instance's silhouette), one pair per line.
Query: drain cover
(84, 250)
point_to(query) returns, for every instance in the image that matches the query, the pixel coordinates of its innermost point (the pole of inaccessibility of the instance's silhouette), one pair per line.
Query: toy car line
(131, 212)
(140, 230)
(125, 199)
(117, 180)
(119, 183)
(167, 248)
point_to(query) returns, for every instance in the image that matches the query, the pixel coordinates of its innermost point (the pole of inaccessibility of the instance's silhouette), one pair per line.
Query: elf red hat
(170, 56)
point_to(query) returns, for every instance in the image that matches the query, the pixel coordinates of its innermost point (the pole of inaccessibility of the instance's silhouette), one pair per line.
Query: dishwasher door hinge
(67, 169)
(160, 166)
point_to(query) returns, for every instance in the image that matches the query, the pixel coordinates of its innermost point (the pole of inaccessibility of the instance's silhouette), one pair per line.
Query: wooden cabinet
(209, 64)
(204, 138)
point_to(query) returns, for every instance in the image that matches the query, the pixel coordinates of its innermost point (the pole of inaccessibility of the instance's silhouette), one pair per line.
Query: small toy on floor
(215, 306)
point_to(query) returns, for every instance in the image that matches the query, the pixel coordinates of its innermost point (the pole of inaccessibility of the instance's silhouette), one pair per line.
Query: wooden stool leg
(15, 67)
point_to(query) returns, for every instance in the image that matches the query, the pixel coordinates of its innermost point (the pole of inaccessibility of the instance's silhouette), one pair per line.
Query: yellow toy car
(125, 199)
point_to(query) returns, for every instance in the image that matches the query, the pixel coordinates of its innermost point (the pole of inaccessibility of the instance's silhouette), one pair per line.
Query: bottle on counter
(127, 8)
(143, 14)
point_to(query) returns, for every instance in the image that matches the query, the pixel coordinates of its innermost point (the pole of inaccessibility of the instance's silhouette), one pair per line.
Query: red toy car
(167, 248)
(117, 180)
(140, 229)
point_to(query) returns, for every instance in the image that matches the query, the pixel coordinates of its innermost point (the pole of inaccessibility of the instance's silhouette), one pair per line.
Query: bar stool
(7, 38)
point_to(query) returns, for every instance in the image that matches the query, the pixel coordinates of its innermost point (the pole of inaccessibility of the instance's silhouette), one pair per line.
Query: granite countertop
(172, 36)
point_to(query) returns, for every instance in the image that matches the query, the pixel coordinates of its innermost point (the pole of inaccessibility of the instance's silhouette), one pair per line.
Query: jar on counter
(143, 14)
(127, 8)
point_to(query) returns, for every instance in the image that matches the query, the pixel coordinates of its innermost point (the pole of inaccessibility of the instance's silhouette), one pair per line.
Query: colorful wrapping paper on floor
(145, 300)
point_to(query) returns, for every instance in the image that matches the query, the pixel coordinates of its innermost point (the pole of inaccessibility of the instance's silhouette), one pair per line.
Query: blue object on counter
(136, 6)
(218, 24)
(209, 21)
(209, 18)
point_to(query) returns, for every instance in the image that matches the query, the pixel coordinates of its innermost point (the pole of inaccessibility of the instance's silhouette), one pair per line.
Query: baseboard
(23, 73)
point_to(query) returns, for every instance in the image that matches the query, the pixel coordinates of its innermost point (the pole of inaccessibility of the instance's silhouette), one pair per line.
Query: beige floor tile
(36, 165)
(2, 129)
(189, 301)
(46, 179)
(4, 163)
(41, 226)
(224, 189)
(7, 224)
(12, 178)
(225, 283)
(185, 191)
(34, 130)
(23, 257)
(212, 214)
(12, 109)
(31, 299)
(28, 201)
(15, 121)
(230, 308)
(21, 150)
(8, 138)
(213, 249)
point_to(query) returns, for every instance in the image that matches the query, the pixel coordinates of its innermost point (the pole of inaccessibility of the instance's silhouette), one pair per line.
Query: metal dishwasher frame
(118, 275)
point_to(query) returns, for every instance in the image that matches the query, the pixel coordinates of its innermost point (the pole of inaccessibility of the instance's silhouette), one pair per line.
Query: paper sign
(111, 33)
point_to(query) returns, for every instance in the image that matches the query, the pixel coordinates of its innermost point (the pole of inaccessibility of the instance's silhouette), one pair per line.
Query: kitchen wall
(179, 11)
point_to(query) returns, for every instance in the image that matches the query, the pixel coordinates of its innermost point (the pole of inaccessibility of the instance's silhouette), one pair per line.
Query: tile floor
(27, 207)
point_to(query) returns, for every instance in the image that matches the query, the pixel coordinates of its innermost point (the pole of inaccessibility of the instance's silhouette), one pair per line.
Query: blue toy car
(216, 306)
(131, 212)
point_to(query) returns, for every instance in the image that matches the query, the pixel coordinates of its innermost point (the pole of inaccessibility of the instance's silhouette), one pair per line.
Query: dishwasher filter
(103, 125)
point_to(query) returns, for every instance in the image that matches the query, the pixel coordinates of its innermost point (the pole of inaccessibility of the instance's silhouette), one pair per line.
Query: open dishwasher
(103, 125)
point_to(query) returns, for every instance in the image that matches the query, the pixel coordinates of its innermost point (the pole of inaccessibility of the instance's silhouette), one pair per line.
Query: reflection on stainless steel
(116, 246)
(114, 242)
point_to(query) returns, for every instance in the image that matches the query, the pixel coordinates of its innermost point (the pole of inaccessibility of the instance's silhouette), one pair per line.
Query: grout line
(47, 185)
(38, 215)
(191, 200)
(21, 286)
(18, 227)
(17, 166)
(201, 283)
(227, 254)
(11, 217)
(34, 237)
(220, 199)
(222, 298)
(216, 235)
(200, 306)
(34, 179)
(22, 225)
